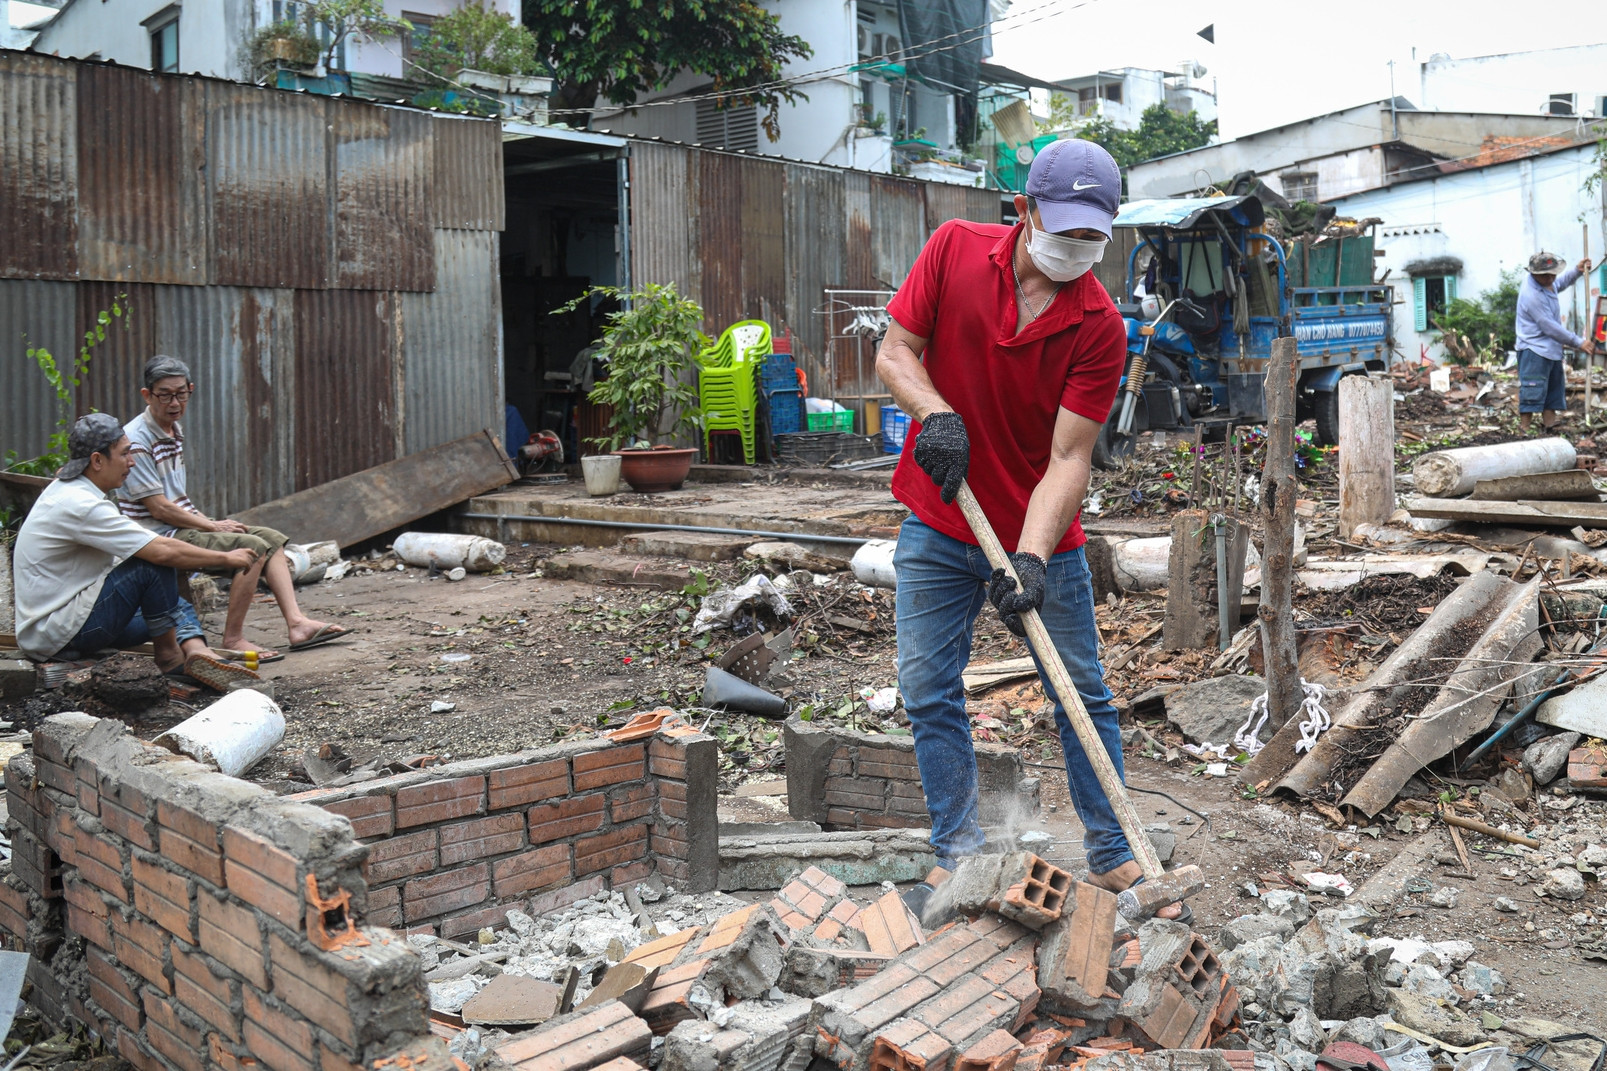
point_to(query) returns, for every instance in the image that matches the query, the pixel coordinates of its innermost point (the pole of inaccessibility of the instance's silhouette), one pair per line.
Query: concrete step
(607, 567)
(692, 546)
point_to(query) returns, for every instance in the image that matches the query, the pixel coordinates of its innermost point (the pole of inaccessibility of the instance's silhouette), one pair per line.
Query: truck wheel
(1112, 448)
(1325, 406)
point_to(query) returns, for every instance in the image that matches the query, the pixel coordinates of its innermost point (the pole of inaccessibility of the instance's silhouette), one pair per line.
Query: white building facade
(1490, 219)
(1551, 81)
(209, 38)
(1121, 96)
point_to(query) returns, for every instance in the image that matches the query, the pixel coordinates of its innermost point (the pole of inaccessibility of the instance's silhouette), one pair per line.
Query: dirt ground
(518, 660)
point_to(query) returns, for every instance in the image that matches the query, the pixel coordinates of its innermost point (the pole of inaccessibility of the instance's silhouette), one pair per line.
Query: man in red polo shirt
(1008, 353)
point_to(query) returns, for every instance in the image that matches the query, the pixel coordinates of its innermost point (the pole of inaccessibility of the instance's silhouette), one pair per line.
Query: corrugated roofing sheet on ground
(38, 167)
(239, 345)
(384, 211)
(268, 172)
(141, 176)
(32, 313)
(346, 389)
(450, 372)
(468, 173)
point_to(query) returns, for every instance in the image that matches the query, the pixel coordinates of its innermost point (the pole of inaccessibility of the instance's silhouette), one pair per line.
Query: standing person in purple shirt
(1541, 339)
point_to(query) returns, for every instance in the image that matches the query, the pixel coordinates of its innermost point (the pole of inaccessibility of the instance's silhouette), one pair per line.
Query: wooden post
(1279, 490)
(1366, 452)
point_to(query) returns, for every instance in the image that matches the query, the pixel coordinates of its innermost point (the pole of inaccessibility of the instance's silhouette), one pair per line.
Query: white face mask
(1063, 259)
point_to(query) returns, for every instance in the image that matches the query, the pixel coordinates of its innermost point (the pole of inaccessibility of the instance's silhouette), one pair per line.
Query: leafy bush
(263, 51)
(1483, 328)
(62, 381)
(481, 40)
(650, 347)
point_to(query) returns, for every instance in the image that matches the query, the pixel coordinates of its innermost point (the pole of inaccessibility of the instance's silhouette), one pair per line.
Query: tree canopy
(481, 39)
(1160, 131)
(621, 49)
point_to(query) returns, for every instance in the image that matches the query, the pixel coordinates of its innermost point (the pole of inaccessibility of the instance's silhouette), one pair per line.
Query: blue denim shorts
(1542, 383)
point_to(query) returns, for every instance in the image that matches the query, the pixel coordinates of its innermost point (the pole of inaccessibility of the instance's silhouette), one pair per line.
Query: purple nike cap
(1076, 185)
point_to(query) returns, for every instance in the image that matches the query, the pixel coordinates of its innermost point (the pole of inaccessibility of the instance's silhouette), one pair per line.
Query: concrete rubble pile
(1036, 971)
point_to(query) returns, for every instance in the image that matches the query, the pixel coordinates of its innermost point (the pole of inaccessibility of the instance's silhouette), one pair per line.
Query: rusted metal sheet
(345, 383)
(858, 273)
(112, 382)
(665, 218)
(240, 429)
(38, 167)
(983, 206)
(141, 176)
(897, 228)
(720, 238)
(468, 173)
(816, 253)
(451, 364)
(32, 313)
(267, 166)
(764, 236)
(944, 203)
(384, 213)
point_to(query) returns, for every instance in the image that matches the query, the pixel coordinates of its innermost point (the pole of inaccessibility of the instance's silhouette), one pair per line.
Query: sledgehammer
(1158, 888)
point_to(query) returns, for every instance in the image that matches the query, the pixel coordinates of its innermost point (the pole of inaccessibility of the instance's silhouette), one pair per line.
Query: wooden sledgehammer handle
(1060, 680)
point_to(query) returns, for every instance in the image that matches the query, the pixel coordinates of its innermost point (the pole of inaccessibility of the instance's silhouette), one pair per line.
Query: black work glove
(943, 450)
(1010, 600)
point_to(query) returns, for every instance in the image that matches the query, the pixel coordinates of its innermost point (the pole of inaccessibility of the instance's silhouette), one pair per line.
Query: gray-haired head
(163, 367)
(96, 433)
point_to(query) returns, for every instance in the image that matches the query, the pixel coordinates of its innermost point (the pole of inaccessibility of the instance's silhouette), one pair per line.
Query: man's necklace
(1023, 294)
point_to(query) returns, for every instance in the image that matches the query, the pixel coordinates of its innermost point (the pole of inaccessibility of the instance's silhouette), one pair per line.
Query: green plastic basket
(843, 421)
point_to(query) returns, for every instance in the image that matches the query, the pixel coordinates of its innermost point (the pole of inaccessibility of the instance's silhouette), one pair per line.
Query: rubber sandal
(263, 657)
(215, 673)
(324, 635)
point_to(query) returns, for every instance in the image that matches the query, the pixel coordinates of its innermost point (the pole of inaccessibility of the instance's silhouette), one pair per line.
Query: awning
(1183, 213)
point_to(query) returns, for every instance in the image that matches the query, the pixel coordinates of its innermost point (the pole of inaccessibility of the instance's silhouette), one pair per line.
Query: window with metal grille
(735, 127)
(1300, 185)
(1430, 296)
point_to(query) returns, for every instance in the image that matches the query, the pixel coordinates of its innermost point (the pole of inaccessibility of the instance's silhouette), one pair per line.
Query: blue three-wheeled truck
(1205, 293)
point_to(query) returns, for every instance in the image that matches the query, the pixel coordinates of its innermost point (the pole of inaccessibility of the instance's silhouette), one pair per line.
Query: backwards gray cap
(93, 434)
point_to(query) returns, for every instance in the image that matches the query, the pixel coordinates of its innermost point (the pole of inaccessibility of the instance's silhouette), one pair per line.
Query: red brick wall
(196, 921)
(456, 847)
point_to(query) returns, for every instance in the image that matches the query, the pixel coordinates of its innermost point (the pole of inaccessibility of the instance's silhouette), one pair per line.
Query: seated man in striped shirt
(155, 496)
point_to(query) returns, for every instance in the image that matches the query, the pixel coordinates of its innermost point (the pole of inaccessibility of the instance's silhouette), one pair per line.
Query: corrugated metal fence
(744, 235)
(326, 266)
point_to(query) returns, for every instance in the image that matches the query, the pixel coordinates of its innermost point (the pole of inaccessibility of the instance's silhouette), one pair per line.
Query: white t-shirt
(73, 537)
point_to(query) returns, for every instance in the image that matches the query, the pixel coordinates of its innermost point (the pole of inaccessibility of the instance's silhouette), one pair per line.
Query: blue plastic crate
(786, 411)
(895, 425)
(779, 372)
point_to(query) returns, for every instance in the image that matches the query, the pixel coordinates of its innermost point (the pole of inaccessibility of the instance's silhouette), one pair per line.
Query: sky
(1277, 61)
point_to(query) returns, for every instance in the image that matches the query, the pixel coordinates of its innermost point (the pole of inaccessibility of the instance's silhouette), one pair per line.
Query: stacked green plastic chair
(727, 391)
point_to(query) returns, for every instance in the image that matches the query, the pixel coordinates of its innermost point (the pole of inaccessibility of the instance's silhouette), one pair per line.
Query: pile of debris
(1036, 971)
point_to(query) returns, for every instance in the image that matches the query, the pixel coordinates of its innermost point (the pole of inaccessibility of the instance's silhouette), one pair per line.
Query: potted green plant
(649, 346)
(286, 43)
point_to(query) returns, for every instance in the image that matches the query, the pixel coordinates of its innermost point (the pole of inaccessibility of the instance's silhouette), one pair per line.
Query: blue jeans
(137, 601)
(941, 589)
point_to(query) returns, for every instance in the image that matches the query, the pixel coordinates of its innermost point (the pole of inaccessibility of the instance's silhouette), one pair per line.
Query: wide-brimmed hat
(1545, 264)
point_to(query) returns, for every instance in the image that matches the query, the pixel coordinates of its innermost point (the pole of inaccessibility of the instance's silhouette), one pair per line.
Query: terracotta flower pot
(663, 468)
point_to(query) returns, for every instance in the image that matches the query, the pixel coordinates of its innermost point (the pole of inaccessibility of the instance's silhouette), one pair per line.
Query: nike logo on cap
(1080, 185)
